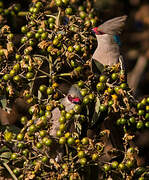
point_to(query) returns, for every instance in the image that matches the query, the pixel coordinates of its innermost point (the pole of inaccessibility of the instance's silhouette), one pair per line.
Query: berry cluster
(53, 50)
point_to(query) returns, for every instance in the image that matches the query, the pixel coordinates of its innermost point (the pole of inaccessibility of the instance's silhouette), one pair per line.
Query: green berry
(140, 125)
(100, 86)
(83, 161)
(103, 78)
(70, 141)
(81, 154)
(62, 140)
(85, 141)
(107, 167)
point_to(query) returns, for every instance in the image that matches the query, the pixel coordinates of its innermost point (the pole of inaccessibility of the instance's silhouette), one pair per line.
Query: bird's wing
(113, 26)
(55, 122)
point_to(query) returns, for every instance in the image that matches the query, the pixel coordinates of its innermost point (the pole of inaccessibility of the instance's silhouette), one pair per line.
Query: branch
(135, 75)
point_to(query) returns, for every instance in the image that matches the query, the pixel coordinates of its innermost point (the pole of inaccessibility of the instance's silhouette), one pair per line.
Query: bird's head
(97, 31)
(74, 95)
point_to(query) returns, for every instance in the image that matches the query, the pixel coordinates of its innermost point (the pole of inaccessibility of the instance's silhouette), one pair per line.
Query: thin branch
(10, 171)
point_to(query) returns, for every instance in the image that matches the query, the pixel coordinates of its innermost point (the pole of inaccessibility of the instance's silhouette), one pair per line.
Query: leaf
(138, 171)
(97, 67)
(29, 48)
(39, 94)
(78, 127)
(43, 44)
(43, 25)
(3, 101)
(13, 129)
(4, 149)
(5, 53)
(96, 114)
(9, 47)
(77, 124)
(5, 28)
(5, 156)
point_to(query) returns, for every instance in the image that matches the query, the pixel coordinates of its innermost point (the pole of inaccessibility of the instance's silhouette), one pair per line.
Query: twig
(41, 56)
(22, 13)
(65, 74)
(58, 17)
(43, 72)
(10, 171)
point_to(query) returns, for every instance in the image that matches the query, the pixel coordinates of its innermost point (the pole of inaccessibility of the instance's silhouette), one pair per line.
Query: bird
(73, 97)
(107, 51)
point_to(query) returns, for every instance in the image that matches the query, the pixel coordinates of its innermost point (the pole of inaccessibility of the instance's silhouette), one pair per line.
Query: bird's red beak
(96, 31)
(75, 100)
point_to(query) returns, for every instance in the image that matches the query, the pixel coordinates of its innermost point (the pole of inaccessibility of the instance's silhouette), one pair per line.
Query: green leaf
(97, 67)
(5, 156)
(13, 129)
(3, 101)
(4, 149)
(78, 127)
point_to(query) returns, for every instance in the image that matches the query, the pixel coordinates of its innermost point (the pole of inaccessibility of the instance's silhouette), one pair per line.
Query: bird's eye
(100, 32)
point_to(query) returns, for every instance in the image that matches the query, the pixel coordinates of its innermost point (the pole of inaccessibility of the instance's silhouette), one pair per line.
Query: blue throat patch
(117, 39)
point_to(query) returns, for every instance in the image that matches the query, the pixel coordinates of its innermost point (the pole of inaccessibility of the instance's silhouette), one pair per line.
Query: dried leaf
(11, 92)
(106, 132)
(37, 166)
(5, 28)
(43, 44)
(29, 48)
(38, 60)
(42, 24)
(125, 100)
(39, 95)
(5, 53)
(10, 47)
(30, 175)
(128, 137)
(52, 161)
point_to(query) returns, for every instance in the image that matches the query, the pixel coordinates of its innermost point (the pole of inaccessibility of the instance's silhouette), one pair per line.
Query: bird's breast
(107, 54)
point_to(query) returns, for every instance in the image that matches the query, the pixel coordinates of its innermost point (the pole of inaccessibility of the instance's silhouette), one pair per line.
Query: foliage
(55, 49)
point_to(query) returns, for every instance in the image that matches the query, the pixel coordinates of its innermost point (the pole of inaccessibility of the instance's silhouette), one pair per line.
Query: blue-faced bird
(107, 51)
